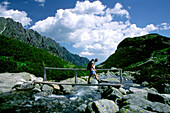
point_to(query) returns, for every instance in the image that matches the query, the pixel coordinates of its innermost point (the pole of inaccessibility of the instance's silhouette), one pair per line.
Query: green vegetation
(149, 55)
(16, 56)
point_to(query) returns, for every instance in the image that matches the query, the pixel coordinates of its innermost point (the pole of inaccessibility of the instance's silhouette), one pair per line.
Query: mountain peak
(15, 30)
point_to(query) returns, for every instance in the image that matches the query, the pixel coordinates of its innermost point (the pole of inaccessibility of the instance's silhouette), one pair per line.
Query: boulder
(38, 79)
(137, 90)
(68, 88)
(167, 89)
(111, 94)
(115, 94)
(150, 89)
(8, 80)
(81, 108)
(110, 80)
(48, 89)
(145, 84)
(156, 97)
(123, 91)
(140, 100)
(133, 109)
(102, 106)
(23, 86)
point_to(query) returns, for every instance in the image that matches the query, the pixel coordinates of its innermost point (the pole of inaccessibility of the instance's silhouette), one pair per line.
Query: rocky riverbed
(20, 93)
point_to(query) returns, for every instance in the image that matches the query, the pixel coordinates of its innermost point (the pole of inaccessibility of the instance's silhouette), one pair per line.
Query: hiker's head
(96, 60)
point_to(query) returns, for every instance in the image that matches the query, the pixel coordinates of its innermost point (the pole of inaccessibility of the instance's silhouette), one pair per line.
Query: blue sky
(90, 28)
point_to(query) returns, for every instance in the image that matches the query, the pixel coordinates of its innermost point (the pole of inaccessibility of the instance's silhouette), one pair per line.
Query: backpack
(89, 65)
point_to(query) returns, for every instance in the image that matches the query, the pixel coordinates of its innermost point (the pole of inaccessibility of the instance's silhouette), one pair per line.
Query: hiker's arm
(93, 67)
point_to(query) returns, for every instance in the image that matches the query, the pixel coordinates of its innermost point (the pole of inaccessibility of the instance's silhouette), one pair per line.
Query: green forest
(16, 56)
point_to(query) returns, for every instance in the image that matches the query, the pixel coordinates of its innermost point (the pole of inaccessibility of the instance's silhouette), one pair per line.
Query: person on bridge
(93, 70)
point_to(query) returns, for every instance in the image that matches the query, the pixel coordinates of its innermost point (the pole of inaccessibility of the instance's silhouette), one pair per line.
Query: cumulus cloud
(91, 27)
(19, 16)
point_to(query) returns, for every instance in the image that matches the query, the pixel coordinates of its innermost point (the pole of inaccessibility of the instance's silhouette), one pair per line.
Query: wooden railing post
(45, 77)
(121, 80)
(75, 76)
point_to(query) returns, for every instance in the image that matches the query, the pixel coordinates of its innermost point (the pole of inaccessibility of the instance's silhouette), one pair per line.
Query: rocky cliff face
(10, 28)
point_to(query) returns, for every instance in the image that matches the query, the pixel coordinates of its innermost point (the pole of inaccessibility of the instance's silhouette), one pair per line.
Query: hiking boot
(89, 83)
(99, 81)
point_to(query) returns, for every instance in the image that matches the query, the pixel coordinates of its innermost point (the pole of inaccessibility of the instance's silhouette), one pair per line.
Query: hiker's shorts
(92, 72)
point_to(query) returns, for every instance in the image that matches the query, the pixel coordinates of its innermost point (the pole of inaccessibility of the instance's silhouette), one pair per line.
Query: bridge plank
(59, 83)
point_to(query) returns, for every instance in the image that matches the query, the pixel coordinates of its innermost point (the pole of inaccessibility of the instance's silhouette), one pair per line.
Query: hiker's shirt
(93, 66)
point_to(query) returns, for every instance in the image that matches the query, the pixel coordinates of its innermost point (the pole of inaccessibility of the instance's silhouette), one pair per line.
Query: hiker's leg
(96, 77)
(89, 78)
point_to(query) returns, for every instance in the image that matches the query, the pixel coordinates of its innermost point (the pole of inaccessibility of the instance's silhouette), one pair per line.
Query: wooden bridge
(76, 82)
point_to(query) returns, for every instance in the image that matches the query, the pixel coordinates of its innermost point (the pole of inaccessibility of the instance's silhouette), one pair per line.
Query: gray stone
(140, 100)
(167, 89)
(8, 80)
(68, 88)
(111, 94)
(150, 89)
(123, 91)
(38, 79)
(145, 84)
(81, 108)
(102, 106)
(133, 109)
(48, 89)
(110, 80)
(137, 90)
(24, 86)
(156, 97)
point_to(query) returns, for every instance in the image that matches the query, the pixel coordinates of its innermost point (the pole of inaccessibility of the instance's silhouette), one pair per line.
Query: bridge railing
(53, 68)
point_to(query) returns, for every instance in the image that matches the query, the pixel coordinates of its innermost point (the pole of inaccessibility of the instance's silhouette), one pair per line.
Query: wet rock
(102, 106)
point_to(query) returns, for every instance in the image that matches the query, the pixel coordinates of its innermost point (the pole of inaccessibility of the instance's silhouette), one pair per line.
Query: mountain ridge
(10, 28)
(148, 56)
(132, 50)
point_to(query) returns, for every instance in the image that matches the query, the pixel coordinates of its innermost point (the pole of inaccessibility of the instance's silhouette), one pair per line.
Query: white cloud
(91, 27)
(19, 16)
(118, 9)
(41, 2)
(86, 54)
(164, 26)
(5, 3)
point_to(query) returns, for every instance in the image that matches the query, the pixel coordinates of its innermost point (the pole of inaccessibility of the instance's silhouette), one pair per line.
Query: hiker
(91, 68)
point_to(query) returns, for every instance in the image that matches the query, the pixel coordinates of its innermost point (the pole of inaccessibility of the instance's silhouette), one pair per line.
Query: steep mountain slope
(17, 56)
(10, 28)
(149, 55)
(133, 50)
